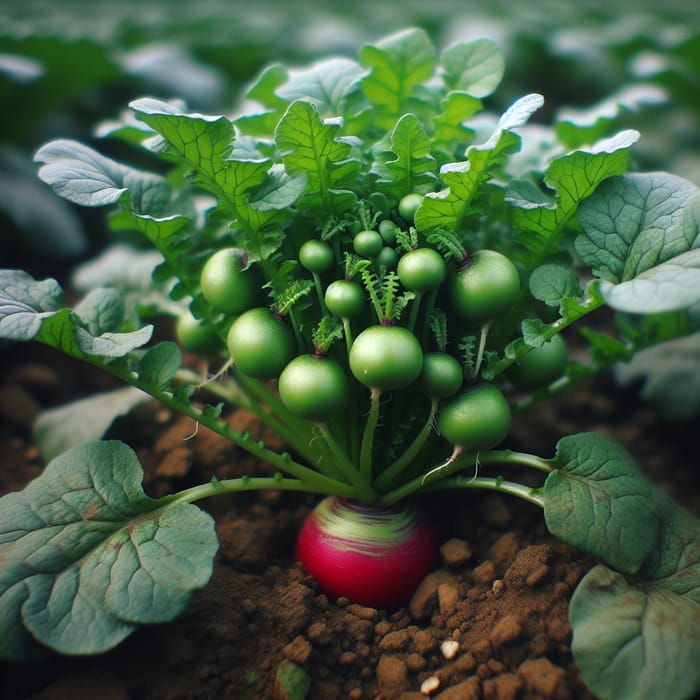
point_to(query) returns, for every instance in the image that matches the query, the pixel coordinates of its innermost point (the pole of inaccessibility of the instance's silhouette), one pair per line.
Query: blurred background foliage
(66, 65)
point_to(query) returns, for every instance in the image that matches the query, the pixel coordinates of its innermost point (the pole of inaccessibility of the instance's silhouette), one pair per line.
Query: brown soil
(491, 622)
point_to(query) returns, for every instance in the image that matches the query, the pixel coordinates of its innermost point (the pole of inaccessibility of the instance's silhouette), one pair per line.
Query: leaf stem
(245, 483)
(367, 446)
(512, 488)
(314, 480)
(390, 474)
(365, 492)
(456, 463)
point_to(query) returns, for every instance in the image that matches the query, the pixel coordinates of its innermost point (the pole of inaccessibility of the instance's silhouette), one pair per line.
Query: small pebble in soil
(430, 685)
(449, 648)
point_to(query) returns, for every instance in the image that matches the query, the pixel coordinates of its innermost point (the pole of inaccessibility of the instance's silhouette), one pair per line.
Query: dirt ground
(490, 623)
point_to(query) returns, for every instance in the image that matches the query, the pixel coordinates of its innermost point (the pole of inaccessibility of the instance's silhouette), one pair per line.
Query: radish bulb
(373, 555)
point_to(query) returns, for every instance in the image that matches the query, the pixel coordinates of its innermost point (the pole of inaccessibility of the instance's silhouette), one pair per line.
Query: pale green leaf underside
(641, 236)
(60, 428)
(85, 555)
(25, 303)
(327, 84)
(475, 67)
(635, 644)
(83, 176)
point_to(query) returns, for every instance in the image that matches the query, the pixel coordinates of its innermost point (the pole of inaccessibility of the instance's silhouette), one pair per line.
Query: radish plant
(384, 278)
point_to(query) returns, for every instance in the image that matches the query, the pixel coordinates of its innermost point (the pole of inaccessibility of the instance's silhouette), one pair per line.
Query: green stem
(367, 446)
(457, 463)
(293, 430)
(319, 293)
(347, 330)
(587, 306)
(365, 492)
(245, 483)
(391, 473)
(415, 307)
(315, 481)
(427, 312)
(485, 328)
(513, 488)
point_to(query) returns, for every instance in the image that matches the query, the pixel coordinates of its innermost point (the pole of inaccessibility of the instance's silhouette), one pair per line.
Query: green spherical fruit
(477, 419)
(485, 288)
(227, 284)
(260, 344)
(540, 366)
(314, 387)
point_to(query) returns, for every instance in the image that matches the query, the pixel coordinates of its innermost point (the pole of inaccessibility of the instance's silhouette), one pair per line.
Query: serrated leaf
(450, 207)
(449, 124)
(475, 67)
(641, 236)
(160, 363)
(204, 143)
(62, 427)
(327, 84)
(572, 177)
(397, 65)
(202, 140)
(25, 303)
(85, 555)
(409, 165)
(597, 500)
(83, 176)
(313, 147)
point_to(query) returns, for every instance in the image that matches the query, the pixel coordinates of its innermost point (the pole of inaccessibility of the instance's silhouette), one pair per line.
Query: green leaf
(64, 331)
(475, 68)
(31, 310)
(83, 176)
(102, 309)
(264, 92)
(62, 427)
(312, 147)
(641, 237)
(327, 84)
(85, 555)
(397, 65)
(204, 143)
(450, 130)
(573, 177)
(25, 303)
(669, 374)
(409, 165)
(450, 207)
(279, 191)
(632, 644)
(597, 500)
(552, 284)
(639, 639)
(159, 365)
(576, 127)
